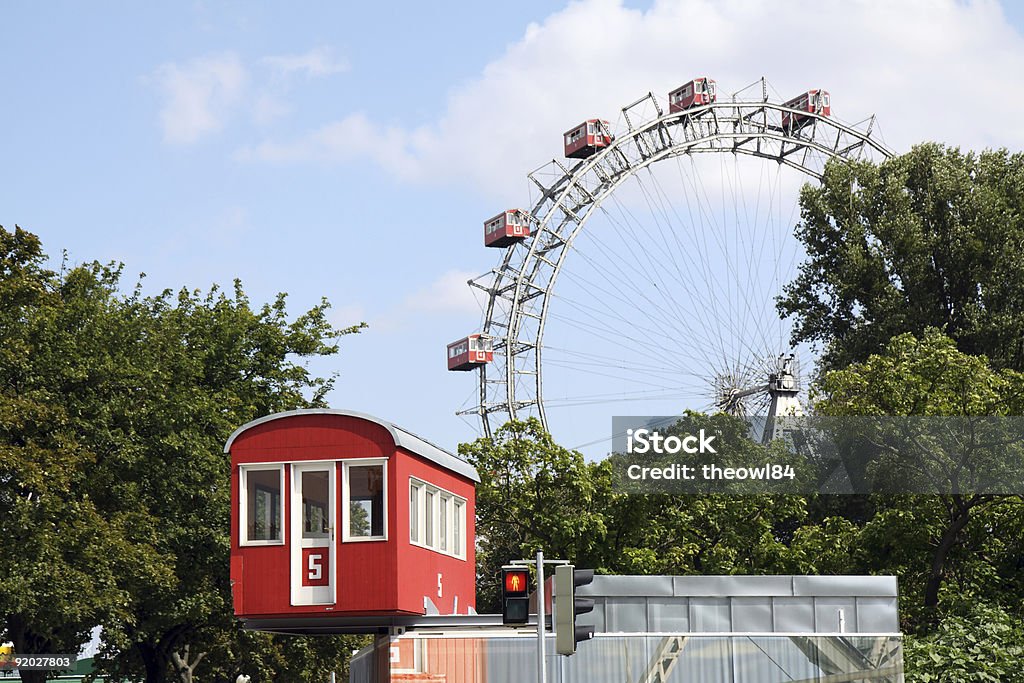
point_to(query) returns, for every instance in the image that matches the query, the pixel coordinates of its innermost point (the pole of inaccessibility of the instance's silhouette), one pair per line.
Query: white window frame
(415, 494)
(346, 502)
(443, 502)
(243, 503)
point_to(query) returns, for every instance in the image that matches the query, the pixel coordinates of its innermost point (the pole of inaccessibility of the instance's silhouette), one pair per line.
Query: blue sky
(353, 150)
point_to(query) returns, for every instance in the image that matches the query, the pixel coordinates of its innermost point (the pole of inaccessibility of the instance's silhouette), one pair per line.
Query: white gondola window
(262, 504)
(437, 519)
(415, 493)
(365, 501)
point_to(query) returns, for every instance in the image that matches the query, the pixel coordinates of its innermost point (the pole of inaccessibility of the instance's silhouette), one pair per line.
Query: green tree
(533, 494)
(113, 468)
(977, 643)
(536, 494)
(933, 238)
(929, 377)
(63, 556)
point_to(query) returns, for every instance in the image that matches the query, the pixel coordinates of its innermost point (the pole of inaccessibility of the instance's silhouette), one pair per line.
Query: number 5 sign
(315, 567)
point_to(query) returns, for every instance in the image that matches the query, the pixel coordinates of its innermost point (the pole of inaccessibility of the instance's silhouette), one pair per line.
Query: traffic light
(515, 598)
(568, 607)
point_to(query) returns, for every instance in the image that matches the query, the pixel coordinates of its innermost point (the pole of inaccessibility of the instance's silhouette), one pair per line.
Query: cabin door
(313, 521)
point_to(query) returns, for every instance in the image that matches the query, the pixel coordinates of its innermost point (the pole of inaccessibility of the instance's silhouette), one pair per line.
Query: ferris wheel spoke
(630, 224)
(609, 295)
(681, 336)
(651, 350)
(732, 274)
(728, 331)
(632, 378)
(586, 357)
(656, 295)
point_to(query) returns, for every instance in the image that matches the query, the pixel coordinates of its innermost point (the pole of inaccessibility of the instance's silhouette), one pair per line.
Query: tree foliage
(932, 238)
(978, 643)
(929, 377)
(535, 494)
(113, 481)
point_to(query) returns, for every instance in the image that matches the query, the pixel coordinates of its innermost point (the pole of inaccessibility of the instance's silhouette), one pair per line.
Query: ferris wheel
(643, 280)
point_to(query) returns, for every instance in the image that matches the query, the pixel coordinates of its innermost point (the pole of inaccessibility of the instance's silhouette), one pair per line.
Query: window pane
(316, 520)
(428, 518)
(457, 528)
(443, 534)
(263, 500)
(366, 501)
(414, 514)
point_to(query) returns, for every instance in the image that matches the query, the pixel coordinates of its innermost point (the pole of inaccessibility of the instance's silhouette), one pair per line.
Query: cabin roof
(402, 437)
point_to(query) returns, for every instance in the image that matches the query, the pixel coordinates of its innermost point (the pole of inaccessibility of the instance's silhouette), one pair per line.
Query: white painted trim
(362, 462)
(422, 525)
(243, 505)
(313, 595)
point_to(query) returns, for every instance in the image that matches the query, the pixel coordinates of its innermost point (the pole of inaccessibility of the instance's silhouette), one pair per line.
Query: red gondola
(344, 521)
(587, 138)
(470, 353)
(813, 102)
(695, 93)
(506, 228)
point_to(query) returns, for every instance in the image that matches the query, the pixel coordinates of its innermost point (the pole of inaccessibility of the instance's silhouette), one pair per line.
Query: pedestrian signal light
(515, 598)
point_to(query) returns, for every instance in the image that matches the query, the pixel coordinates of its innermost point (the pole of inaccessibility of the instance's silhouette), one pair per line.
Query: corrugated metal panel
(626, 615)
(877, 615)
(793, 615)
(644, 659)
(826, 615)
(725, 586)
(668, 615)
(752, 615)
(845, 586)
(730, 586)
(628, 586)
(595, 618)
(744, 604)
(710, 615)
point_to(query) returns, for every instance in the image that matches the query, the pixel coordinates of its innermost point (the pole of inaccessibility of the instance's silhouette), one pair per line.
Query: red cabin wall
(696, 97)
(578, 144)
(371, 577)
(366, 572)
(458, 575)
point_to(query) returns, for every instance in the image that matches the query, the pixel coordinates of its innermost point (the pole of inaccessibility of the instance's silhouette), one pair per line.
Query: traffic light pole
(541, 671)
(541, 631)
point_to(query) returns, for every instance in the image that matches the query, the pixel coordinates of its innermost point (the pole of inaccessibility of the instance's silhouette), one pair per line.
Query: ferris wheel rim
(554, 198)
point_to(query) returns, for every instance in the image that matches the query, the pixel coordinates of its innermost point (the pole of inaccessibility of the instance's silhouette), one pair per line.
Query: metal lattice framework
(520, 289)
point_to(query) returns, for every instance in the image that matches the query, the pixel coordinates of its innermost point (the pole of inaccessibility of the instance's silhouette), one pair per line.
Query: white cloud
(199, 95)
(930, 69)
(267, 108)
(449, 293)
(316, 62)
(347, 315)
(352, 138)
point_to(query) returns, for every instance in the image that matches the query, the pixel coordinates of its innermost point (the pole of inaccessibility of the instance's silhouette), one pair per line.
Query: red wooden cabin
(695, 93)
(506, 228)
(813, 102)
(587, 138)
(470, 353)
(341, 519)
